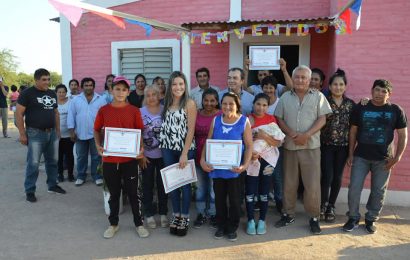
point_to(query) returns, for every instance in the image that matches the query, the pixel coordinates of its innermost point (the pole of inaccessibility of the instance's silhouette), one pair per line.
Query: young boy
(120, 169)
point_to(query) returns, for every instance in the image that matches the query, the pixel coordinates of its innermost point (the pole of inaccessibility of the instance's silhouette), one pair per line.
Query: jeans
(4, 112)
(65, 150)
(333, 163)
(277, 178)
(82, 149)
(151, 175)
(41, 142)
(379, 182)
(227, 217)
(258, 185)
(204, 193)
(170, 157)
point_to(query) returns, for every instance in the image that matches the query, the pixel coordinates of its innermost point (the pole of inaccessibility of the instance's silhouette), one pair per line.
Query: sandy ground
(71, 226)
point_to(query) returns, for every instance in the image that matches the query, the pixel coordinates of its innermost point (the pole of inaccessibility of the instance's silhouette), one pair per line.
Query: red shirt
(122, 117)
(264, 120)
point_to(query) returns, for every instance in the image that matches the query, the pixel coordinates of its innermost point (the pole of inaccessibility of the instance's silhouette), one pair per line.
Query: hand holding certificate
(174, 177)
(122, 142)
(223, 154)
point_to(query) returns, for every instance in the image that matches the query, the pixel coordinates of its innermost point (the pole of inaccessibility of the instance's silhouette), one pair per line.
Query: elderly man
(371, 150)
(202, 77)
(301, 114)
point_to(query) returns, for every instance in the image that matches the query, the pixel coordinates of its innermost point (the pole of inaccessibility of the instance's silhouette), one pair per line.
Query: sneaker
(350, 225)
(99, 182)
(30, 197)
(60, 177)
(56, 189)
(219, 233)
(261, 230)
(212, 222)
(164, 221)
(151, 222)
(314, 226)
(251, 227)
(370, 226)
(284, 221)
(79, 182)
(110, 232)
(173, 224)
(322, 212)
(232, 236)
(199, 221)
(142, 231)
(330, 215)
(182, 228)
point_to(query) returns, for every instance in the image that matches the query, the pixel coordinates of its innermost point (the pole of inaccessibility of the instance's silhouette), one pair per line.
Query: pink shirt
(14, 96)
(202, 125)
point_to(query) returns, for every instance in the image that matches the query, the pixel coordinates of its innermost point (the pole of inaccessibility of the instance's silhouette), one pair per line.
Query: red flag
(345, 16)
(118, 21)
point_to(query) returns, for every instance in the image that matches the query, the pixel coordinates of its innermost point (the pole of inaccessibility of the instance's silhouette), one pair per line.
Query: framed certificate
(223, 154)
(264, 57)
(122, 142)
(174, 177)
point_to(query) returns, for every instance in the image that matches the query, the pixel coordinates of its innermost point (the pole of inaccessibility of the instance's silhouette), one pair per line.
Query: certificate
(122, 142)
(223, 154)
(264, 57)
(174, 177)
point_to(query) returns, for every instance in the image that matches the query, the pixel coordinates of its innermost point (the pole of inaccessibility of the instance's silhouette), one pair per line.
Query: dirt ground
(71, 226)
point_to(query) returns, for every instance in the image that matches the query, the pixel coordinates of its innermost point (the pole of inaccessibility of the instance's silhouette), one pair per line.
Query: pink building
(96, 47)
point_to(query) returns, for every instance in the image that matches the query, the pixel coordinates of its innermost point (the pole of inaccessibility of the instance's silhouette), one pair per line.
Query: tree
(55, 78)
(8, 66)
(25, 79)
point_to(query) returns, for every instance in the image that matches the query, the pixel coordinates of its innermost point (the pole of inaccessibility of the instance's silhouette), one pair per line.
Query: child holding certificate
(177, 145)
(231, 125)
(120, 172)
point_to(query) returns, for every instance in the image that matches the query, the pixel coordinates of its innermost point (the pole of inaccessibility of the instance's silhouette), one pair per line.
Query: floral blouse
(336, 130)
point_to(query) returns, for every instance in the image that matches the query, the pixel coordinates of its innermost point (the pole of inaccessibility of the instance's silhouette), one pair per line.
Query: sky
(27, 31)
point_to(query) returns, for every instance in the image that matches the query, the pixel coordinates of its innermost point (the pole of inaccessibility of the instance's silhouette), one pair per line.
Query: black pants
(151, 175)
(127, 173)
(227, 218)
(65, 151)
(332, 163)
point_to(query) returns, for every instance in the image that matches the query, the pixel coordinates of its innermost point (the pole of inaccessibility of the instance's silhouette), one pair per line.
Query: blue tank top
(226, 131)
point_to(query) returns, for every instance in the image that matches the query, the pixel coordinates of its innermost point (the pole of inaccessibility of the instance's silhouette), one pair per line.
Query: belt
(48, 130)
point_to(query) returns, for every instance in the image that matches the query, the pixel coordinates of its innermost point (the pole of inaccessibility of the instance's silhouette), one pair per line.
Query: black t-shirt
(3, 98)
(135, 99)
(376, 125)
(39, 106)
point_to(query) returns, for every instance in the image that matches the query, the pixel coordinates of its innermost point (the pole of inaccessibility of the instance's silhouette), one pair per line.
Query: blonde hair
(155, 89)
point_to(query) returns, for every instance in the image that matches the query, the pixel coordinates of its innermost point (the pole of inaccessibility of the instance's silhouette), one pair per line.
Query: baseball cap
(119, 79)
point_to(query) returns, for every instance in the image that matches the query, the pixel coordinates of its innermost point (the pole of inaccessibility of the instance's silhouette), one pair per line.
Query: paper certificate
(122, 142)
(264, 57)
(223, 154)
(174, 177)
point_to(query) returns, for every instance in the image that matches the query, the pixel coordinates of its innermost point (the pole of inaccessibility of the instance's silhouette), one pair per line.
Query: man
(301, 114)
(73, 85)
(202, 77)
(3, 107)
(40, 132)
(371, 149)
(80, 121)
(136, 97)
(236, 79)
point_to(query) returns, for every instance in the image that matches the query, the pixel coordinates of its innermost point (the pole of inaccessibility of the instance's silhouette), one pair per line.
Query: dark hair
(84, 80)
(383, 83)
(168, 99)
(240, 70)
(320, 72)
(156, 79)
(269, 80)
(61, 86)
(235, 98)
(138, 76)
(261, 96)
(212, 92)
(338, 74)
(13, 88)
(106, 78)
(202, 70)
(73, 80)
(22, 88)
(41, 72)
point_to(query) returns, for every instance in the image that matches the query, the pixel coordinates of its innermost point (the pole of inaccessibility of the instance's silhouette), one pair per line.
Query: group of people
(310, 136)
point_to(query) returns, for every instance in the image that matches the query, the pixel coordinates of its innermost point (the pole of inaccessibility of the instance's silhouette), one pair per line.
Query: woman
(204, 192)
(231, 125)
(65, 147)
(176, 142)
(334, 144)
(160, 82)
(152, 162)
(136, 97)
(259, 184)
(108, 88)
(120, 173)
(317, 79)
(269, 85)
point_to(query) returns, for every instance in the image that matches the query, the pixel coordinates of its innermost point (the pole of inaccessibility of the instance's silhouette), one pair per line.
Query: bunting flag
(345, 26)
(116, 20)
(148, 28)
(357, 9)
(72, 13)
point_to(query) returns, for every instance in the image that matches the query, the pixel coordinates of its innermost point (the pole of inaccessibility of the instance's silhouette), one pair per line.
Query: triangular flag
(147, 27)
(345, 17)
(72, 13)
(118, 21)
(357, 9)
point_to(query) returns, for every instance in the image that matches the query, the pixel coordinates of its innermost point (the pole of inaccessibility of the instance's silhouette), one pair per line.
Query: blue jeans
(379, 182)
(170, 157)
(46, 143)
(277, 178)
(82, 149)
(204, 193)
